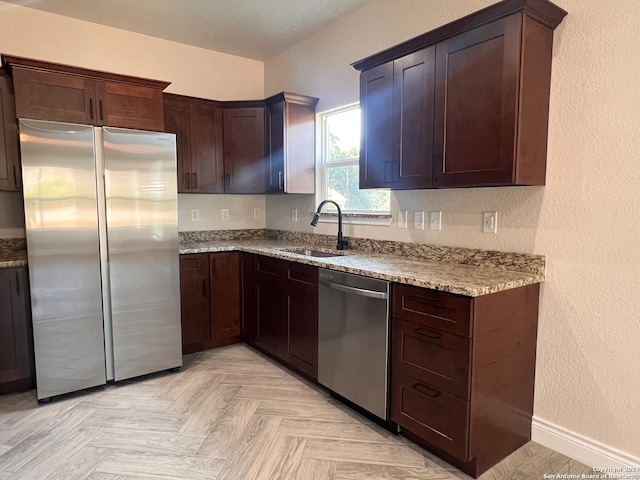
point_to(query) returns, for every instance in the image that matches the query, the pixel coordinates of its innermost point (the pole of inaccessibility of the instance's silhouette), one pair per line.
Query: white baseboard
(581, 448)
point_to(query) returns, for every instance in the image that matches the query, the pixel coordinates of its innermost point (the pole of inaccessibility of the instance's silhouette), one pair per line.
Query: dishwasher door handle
(355, 291)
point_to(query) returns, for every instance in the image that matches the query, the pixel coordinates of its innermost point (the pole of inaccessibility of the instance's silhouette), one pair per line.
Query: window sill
(378, 219)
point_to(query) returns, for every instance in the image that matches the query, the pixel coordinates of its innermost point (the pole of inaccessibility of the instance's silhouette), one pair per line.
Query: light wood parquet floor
(229, 414)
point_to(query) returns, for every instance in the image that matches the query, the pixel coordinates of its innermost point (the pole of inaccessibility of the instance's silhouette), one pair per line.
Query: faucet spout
(342, 243)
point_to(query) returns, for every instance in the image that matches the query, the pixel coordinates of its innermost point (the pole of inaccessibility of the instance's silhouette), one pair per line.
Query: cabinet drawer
(303, 276)
(271, 267)
(437, 358)
(435, 416)
(442, 311)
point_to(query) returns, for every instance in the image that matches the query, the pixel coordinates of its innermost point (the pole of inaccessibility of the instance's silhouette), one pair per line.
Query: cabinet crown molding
(9, 62)
(542, 11)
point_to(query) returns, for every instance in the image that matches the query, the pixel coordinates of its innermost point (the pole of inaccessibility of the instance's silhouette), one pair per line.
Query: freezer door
(142, 235)
(59, 178)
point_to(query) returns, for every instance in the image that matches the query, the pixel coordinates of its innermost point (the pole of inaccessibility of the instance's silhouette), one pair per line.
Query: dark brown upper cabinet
(291, 129)
(9, 156)
(50, 91)
(197, 124)
(464, 105)
(244, 147)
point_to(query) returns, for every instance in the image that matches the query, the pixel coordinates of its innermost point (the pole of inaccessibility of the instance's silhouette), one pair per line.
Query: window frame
(324, 166)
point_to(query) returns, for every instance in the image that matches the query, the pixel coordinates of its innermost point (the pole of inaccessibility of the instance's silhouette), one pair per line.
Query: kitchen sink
(311, 252)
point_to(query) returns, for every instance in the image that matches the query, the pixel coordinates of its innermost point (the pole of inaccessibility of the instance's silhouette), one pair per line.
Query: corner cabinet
(291, 130)
(463, 372)
(50, 91)
(464, 105)
(197, 124)
(244, 147)
(209, 300)
(16, 335)
(10, 172)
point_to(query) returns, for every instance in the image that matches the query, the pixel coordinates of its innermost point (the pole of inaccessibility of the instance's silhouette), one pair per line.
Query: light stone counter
(468, 280)
(12, 253)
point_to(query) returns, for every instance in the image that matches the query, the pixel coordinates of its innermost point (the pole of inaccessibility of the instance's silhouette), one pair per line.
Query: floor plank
(229, 414)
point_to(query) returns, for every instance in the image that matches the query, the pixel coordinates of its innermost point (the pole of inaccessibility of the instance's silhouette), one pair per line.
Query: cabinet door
(271, 305)
(54, 96)
(129, 106)
(9, 157)
(194, 302)
(275, 148)
(303, 317)
(247, 301)
(378, 154)
(225, 295)
(177, 120)
(244, 150)
(414, 86)
(16, 337)
(476, 102)
(207, 166)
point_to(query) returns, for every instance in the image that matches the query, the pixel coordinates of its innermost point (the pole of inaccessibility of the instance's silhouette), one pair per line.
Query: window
(339, 171)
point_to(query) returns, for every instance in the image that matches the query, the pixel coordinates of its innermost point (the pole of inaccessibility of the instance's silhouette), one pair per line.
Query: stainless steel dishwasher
(353, 339)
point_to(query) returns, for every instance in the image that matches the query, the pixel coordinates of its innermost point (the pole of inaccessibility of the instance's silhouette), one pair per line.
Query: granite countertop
(468, 280)
(12, 253)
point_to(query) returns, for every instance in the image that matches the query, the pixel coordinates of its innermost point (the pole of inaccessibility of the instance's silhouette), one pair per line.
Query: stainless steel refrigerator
(102, 245)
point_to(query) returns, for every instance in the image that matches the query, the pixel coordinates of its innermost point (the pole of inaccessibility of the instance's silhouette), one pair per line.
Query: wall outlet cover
(225, 214)
(490, 222)
(418, 220)
(435, 220)
(402, 218)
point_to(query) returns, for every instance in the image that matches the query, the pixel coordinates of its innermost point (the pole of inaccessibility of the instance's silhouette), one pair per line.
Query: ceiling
(258, 29)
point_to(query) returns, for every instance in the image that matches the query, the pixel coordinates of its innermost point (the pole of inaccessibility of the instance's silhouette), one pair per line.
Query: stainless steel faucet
(342, 243)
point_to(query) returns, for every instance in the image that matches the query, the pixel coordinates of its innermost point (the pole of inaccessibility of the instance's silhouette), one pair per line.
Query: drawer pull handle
(426, 299)
(426, 333)
(429, 392)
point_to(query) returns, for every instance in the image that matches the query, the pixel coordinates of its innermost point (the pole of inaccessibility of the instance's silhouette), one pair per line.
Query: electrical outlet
(257, 212)
(225, 214)
(490, 222)
(294, 214)
(435, 220)
(418, 220)
(195, 215)
(402, 218)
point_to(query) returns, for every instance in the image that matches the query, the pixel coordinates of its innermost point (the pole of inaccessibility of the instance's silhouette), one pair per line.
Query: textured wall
(586, 220)
(193, 71)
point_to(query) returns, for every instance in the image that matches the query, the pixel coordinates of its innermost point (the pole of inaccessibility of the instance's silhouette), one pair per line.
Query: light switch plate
(435, 220)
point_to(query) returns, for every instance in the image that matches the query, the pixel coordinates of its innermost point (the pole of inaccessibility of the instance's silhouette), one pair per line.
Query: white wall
(193, 71)
(586, 220)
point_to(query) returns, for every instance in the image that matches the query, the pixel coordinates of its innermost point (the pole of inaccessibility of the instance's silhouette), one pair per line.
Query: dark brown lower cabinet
(463, 372)
(247, 293)
(286, 310)
(210, 300)
(16, 335)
